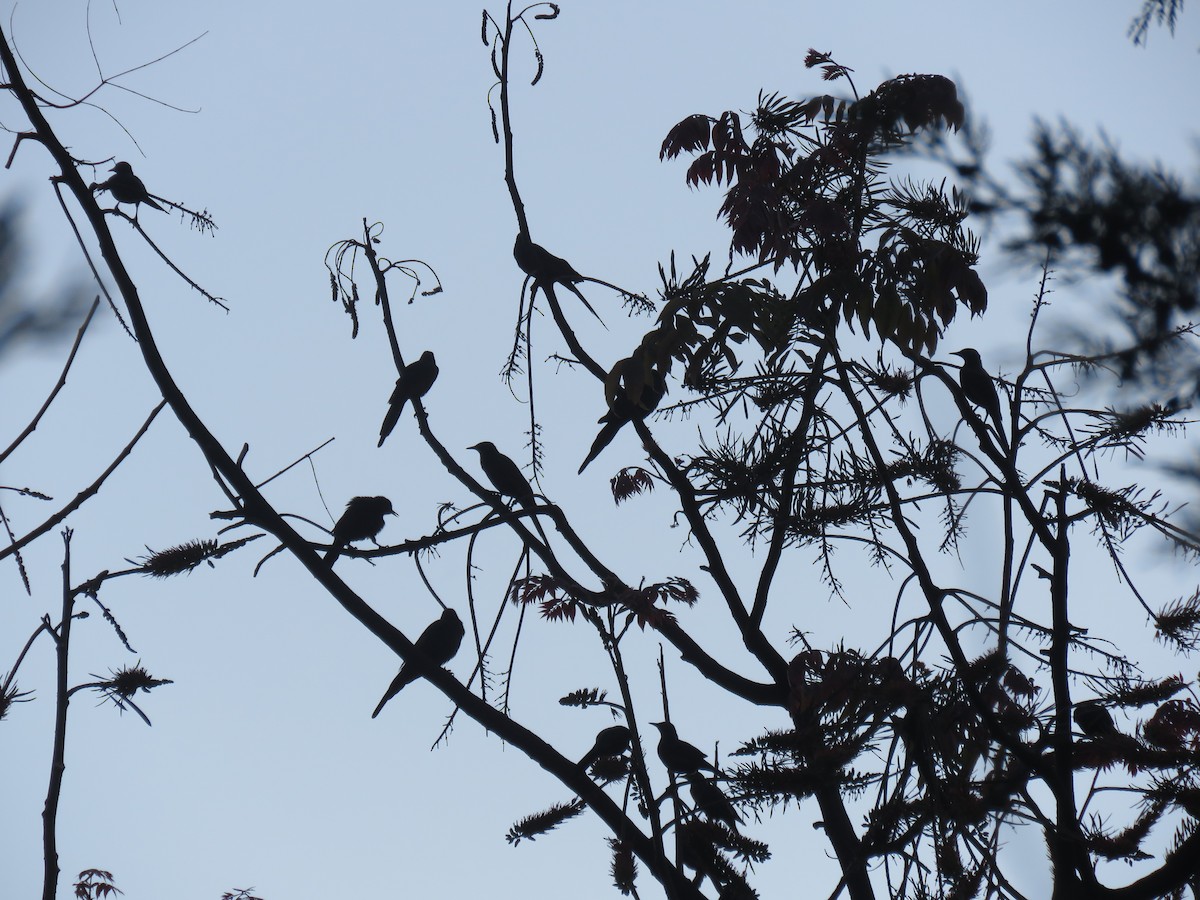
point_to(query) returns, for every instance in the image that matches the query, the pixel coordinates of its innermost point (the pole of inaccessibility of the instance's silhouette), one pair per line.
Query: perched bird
(128, 188)
(547, 269)
(611, 741)
(438, 643)
(414, 382)
(622, 410)
(504, 474)
(1094, 720)
(677, 754)
(977, 384)
(711, 801)
(362, 519)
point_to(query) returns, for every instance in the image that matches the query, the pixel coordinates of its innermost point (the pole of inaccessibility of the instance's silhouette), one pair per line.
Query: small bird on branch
(546, 269)
(979, 387)
(677, 754)
(632, 398)
(414, 382)
(362, 519)
(438, 643)
(612, 741)
(1094, 720)
(504, 474)
(711, 801)
(126, 187)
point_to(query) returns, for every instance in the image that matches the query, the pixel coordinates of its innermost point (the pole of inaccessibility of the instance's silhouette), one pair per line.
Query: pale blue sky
(263, 767)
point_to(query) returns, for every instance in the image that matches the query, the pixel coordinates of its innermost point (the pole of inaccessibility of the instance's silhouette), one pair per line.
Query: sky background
(263, 767)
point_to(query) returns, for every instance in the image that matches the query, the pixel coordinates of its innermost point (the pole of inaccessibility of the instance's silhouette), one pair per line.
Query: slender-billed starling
(677, 754)
(414, 382)
(978, 386)
(438, 643)
(504, 474)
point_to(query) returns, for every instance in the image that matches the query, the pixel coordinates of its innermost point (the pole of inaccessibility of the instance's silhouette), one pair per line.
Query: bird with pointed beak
(126, 187)
(362, 520)
(677, 754)
(979, 387)
(504, 474)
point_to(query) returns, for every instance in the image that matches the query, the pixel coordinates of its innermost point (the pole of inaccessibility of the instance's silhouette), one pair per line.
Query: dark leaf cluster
(183, 558)
(127, 681)
(584, 697)
(1121, 510)
(1094, 210)
(805, 189)
(629, 482)
(642, 603)
(707, 846)
(934, 464)
(623, 867)
(11, 694)
(554, 603)
(1179, 623)
(94, 884)
(537, 824)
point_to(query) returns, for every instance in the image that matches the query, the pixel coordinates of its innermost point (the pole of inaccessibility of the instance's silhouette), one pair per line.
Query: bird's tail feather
(603, 439)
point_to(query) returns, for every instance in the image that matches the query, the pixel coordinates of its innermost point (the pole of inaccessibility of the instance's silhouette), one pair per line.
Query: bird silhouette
(677, 754)
(612, 741)
(504, 474)
(438, 643)
(623, 409)
(128, 188)
(362, 519)
(978, 386)
(1094, 720)
(414, 382)
(711, 801)
(546, 269)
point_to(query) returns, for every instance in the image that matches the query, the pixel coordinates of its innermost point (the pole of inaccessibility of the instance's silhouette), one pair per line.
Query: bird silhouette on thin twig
(414, 382)
(504, 474)
(979, 387)
(126, 187)
(363, 519)
(437, 643)
(612, 741)
(546, 269)
(677, 754)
